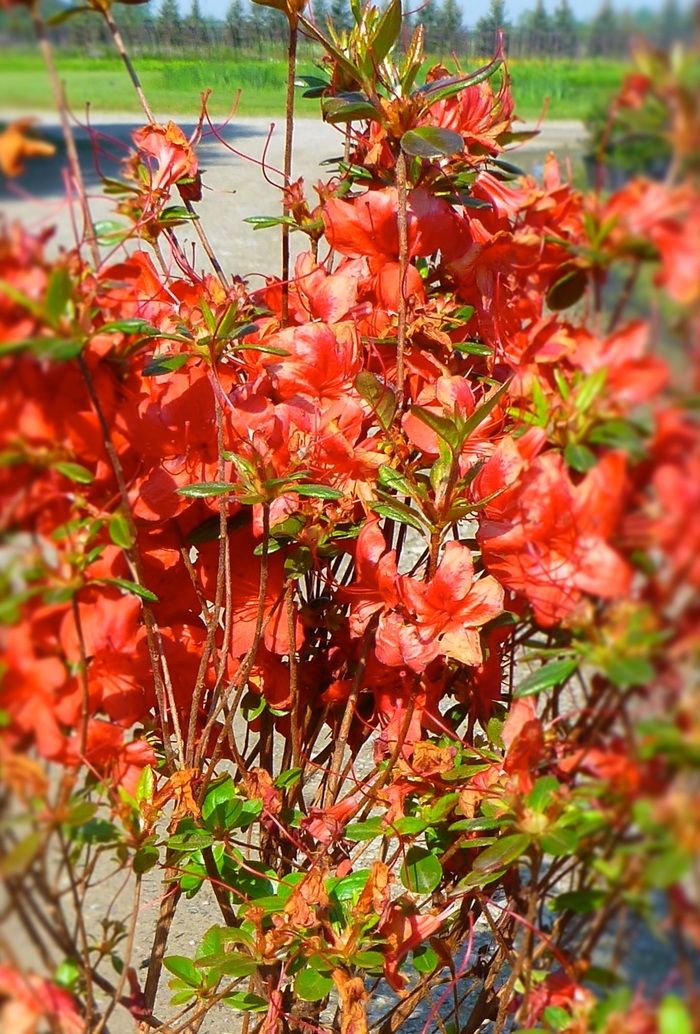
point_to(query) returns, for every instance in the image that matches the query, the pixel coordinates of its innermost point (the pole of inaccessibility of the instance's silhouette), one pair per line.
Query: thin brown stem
(288, 143)
(123, 53)
(168, 907)
(239, 681)
(71, 149)
(403, 269)
(333, 785)
(148, 112)
(294, 715)
(625, 296)
(85, 701)
(128, 953)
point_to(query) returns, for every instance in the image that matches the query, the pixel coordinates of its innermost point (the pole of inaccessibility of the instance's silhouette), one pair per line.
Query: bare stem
(333, 784)
(123, 53)
(403, 269)
(294, 716)
(148, 112)
(288, 142)
(71, 149)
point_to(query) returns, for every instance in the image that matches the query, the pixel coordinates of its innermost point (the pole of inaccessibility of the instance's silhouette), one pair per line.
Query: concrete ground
(235, 183)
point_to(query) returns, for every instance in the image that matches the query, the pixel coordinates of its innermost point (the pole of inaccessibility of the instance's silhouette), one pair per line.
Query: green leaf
(440, 89)
(421, 871)
(58, 294)
(244, 331)
(580, 901)
(19, 858)
(473, 348)
(379, 396)
(475, 825)
(674, 1017)
(62, 349)
(181, 996)
(556, 1017)
(559, 842)
(67, 974)
(96, 831)
(409, 825)
(579, 457)
(288, 778)
(21, 299)
(502, 854)
(132, 587)
(190, 840)
(367, 959)
(390, 478)
(568, 290)
(205, 489)
(75, 472)
(665, 869)
(425, 959)
(315, 491)
(349, 887)
(235, 964)
(265, 222)
(176, 214)
(589, 389)
(368, 830)
(630, 671)
(413, 60)
(80, 814)
(129, 326)
(400, 513)
(315, 87)
(219, 794)
(619, 434)
(162, 364)
(145, 786)
(481, 879)
(444, 428)
(550, 675)
(145, 858)
(540, 796)
(337, 55)
(312, 986)
(348, 107)
(183, 969)
(387, 32)
(441, 808)
(119, 531)
(245, 1001)
(109, 231)
(431, 142)
(482, 411)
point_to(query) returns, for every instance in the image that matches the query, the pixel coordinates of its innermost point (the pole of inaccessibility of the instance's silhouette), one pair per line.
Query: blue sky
(473, 9)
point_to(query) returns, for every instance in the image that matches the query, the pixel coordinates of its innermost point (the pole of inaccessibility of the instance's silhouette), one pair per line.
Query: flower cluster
(402, 499)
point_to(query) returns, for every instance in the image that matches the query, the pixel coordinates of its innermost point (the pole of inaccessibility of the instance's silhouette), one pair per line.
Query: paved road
(235, 186)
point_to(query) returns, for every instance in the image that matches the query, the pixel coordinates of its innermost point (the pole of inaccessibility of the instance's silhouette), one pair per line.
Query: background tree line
(259, 31)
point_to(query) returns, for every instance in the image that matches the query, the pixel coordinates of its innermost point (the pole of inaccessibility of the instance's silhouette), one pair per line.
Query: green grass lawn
(173, 85)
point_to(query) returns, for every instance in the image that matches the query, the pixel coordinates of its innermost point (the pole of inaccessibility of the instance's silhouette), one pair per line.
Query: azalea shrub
(365, 602)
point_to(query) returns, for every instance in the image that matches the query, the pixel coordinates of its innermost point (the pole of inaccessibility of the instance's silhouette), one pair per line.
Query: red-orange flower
(173, 155)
